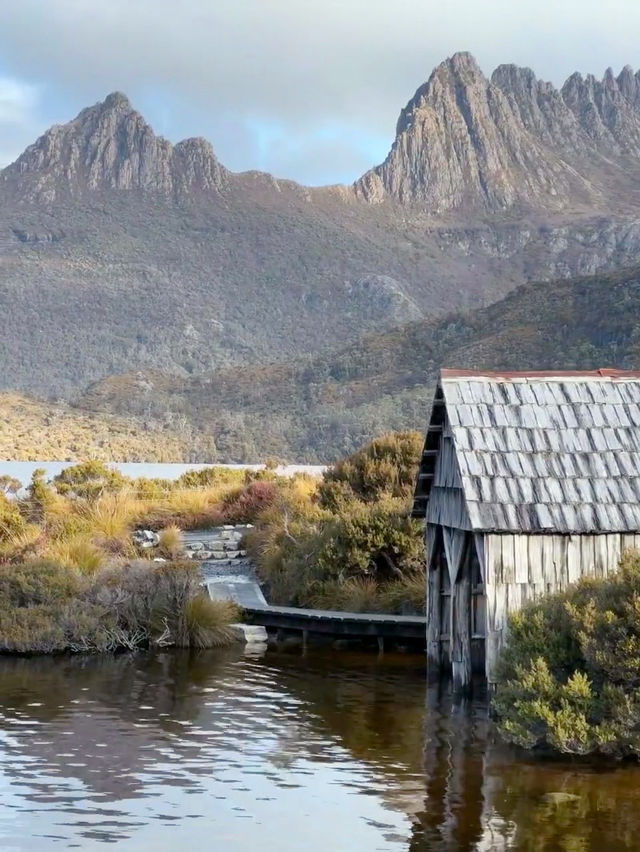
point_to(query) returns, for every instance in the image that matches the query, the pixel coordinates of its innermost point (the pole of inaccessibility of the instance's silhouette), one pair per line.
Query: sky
(305, 89)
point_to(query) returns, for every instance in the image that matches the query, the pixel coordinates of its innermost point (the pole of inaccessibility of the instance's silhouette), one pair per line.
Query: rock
(195, 546)
(145, 538)
(110, 146)
(249, 633)
(159, 559)
(464, 141)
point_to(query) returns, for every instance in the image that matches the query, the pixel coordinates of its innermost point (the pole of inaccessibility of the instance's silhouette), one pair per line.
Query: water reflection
(323, 752)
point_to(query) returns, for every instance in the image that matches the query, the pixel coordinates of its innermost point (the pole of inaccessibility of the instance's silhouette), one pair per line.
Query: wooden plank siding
(521, 568)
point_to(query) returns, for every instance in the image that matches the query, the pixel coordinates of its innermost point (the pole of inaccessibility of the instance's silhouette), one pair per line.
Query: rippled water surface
(320, 753)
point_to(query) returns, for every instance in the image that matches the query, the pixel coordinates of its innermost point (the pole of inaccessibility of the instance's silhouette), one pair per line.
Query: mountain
(120, 251)
(464, 141)
(322, 407)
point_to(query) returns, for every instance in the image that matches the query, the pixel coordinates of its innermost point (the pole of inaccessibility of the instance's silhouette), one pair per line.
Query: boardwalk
(354, 625)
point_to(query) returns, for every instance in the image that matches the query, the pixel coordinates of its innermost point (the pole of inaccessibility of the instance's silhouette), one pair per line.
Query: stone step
(250, 634)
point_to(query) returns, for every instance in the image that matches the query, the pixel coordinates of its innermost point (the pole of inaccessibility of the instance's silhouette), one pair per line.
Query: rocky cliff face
(110, 146)
(467, 142)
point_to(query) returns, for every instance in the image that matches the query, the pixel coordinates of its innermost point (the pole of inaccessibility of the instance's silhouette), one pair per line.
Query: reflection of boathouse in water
(528, 481)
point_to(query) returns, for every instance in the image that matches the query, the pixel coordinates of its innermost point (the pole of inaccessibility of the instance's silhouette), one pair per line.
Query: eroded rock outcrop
(110, 146)
(468, 142)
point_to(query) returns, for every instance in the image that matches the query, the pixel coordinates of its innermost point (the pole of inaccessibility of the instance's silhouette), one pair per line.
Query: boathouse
(528, 481)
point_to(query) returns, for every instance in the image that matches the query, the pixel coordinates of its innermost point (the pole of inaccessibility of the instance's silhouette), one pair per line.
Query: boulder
(145, 538)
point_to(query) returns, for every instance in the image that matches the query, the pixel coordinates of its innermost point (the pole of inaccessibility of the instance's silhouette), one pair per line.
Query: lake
(321, 752)
(22, 470)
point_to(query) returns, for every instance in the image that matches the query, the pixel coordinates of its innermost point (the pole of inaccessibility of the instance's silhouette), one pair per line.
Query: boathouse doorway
(456, 607)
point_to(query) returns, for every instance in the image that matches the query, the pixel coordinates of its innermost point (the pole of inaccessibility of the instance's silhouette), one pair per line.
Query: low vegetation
(46, 607)
(74, 577)
(348, 542)
(570, 674)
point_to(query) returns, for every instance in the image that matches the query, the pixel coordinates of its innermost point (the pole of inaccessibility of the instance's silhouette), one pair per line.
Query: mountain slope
(120, 251)
(31, 430)
(321, 407)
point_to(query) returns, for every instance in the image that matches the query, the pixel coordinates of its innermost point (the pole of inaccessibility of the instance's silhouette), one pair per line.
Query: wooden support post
(461, 630)
(433, 622)
(305, 636)
(381, 644)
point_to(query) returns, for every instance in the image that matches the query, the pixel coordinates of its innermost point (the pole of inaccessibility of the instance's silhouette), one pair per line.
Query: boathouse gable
(528, 481)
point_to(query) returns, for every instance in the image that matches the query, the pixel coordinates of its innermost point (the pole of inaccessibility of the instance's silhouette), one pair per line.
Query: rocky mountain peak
(465, 141)
(117, 100)
(110, 146)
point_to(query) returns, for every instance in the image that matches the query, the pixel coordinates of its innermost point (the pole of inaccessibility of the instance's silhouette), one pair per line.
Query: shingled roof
(534, 452)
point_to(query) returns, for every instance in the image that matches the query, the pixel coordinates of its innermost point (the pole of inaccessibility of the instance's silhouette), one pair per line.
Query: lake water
(326, 752)
(22, 470)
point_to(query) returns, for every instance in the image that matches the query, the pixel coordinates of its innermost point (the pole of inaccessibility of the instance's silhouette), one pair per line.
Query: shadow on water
(324, 752)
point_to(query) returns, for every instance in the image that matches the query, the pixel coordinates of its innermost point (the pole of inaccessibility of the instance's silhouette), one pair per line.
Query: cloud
(18, 117)
(330, 75)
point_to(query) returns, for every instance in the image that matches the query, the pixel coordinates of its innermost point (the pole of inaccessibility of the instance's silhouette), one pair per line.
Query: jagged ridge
(465, 141)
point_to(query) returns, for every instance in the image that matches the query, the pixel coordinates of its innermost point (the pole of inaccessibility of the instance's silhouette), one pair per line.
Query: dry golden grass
(78, 552)
(112, 516)
(22, 543)
(171, 545)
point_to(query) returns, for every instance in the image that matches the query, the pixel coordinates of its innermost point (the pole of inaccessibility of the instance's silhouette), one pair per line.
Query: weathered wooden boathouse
(528, 481)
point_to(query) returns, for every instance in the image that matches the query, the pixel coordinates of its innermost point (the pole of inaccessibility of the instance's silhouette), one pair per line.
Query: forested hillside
(321, 407)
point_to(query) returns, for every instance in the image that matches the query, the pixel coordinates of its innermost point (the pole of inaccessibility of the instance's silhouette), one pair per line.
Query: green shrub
(208, 477)
(35, 583)
(90, 479)
(569, 677)
(207, 622)
(386, 466)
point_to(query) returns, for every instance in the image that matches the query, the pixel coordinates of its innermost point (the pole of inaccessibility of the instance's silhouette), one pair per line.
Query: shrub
(40, 497)
(76, 552)
(207, 622)
(90, 479)
(11, 521)
(347, 542)
(9, 484)
(196, 509)
(208, 477)
(387, 465)
(406, 596)
(569, 677)
(110, 519)
(35, 583)
(243, 505)
(357, 594)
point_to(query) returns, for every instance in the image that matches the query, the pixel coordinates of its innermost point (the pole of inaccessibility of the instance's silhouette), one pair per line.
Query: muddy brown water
(326, 752)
